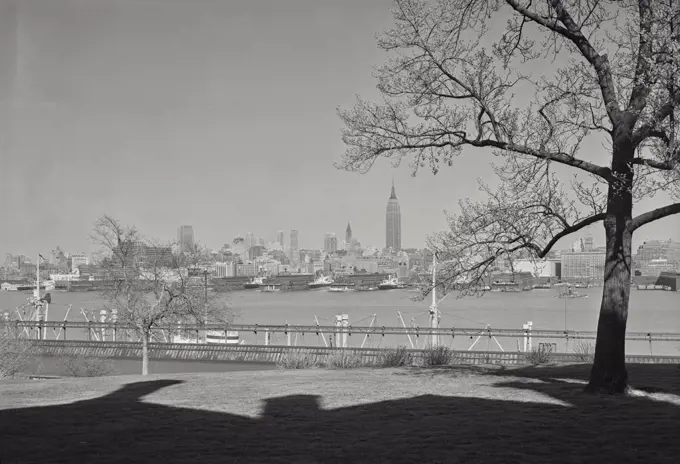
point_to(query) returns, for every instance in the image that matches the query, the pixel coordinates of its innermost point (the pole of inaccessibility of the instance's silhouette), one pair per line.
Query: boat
(391, 283)
(271, 288)
(570, 293)
(542, 286)
(256, 282)
(342, 287)
(365, 288)
(323, 281)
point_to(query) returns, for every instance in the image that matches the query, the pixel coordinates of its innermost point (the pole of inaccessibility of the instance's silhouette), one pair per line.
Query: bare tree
(149, 284)
(561, 73)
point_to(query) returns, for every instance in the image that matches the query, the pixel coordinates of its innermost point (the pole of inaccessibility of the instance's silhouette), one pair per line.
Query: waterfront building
(583, 265)
(536, 267)
(656, 256)
(224, 269)
(393, 222)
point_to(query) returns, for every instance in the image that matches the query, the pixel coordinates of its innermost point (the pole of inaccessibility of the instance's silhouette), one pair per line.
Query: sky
(212, 113)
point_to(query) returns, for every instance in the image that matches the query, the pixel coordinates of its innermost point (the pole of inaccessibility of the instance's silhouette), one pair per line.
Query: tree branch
(649, 129)
(562, 158)
(567, 231)
(655, 214)
(572, 32)
(642, 87)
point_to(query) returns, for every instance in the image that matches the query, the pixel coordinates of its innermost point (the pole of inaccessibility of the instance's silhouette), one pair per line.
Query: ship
(270, 288)
(323, 281)
(256, 282)
(391, 283)
(342, 287)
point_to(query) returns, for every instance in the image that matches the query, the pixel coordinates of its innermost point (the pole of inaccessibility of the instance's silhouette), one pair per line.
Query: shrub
(395, 357)
(15, 355)
(437, 356)
(85, 366)
(344, 359)
(297, 360)
(584, 352)
(541, 355)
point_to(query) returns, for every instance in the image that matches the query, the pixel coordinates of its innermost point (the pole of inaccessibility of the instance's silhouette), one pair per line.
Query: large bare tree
(149, 284)
(534, 83)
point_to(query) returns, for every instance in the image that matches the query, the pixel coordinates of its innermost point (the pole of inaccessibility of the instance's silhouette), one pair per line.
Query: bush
(297, 360)
(344, 359)
(541, 355)
(15, 355)
(85, 366)
(437, 356)
(584, 352)
(395, 357)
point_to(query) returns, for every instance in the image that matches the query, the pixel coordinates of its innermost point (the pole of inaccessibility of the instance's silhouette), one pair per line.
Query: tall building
(250, 240)
(588, 243)
(348, 233)
(279, 238)
(330, 243)
(185, 238)
(393, 222)
(294, 246)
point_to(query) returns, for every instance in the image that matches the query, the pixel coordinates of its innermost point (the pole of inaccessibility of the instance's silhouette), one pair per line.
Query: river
(650, 311)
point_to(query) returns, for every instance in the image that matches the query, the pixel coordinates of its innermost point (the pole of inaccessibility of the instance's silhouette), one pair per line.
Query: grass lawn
(452, 415)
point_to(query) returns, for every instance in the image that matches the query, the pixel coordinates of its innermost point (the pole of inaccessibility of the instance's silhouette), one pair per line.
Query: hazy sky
(215, 113)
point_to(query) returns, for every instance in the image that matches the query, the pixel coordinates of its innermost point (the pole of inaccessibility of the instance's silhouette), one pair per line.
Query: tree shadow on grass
(650, 378)
(528, 421)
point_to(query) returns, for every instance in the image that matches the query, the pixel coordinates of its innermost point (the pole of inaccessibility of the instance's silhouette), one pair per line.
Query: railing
(667, 343)
(351, 330)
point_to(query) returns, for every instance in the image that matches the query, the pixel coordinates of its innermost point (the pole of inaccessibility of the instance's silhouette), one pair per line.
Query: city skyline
(100, 102)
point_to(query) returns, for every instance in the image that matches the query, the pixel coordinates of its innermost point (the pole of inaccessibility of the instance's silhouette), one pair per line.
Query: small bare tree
(531, 82)
(149, 284)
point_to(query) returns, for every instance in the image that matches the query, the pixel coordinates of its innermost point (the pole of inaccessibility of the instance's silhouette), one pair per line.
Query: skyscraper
(250, 240)
(185, 237)
(294, 250)
(330, 243)
(348, 233)
(393, 222)
(279, 238)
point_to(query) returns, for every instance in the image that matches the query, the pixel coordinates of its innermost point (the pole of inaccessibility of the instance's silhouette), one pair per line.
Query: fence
(345, 335)
(272, 354)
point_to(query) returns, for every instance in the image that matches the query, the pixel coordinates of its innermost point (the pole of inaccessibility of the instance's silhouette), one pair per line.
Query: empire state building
(393, 222)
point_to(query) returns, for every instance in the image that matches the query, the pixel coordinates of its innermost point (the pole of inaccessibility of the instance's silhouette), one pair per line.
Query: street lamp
(205, 309)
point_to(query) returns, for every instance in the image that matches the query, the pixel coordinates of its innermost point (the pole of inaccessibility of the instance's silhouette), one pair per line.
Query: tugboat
(272, 287)
(391, 283)
(256, 282)
(323, 281)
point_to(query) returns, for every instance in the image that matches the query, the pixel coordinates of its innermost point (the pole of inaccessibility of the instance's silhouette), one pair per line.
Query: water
(650, 311)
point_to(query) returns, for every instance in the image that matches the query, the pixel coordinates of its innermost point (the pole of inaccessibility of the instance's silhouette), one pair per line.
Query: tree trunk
(609, 374)
(145, 352)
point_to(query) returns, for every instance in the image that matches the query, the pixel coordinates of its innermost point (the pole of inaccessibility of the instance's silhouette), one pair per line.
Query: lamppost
(205, 309)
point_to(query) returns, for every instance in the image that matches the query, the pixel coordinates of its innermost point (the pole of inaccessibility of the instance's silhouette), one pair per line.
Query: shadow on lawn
(119, 427)
(651, 378)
